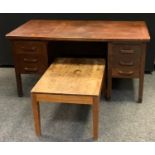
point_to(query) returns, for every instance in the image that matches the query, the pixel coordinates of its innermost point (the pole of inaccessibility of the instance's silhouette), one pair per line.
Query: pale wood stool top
(72, 76)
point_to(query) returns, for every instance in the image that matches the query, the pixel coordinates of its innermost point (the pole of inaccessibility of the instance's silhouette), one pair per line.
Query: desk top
(72, 76)
(79, 30)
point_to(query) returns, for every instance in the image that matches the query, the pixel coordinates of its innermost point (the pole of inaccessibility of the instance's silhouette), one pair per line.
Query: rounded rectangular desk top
(81, 30)
(72, 76)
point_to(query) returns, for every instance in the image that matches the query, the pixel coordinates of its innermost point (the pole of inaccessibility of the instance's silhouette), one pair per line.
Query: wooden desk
(126, 42)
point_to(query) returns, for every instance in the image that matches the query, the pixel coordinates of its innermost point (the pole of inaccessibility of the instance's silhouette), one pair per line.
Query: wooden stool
(70, 80)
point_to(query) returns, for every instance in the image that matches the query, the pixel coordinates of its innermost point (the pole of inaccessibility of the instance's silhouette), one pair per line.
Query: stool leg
(104, 86)
(95, 117)
(36, 114)
(109, 86)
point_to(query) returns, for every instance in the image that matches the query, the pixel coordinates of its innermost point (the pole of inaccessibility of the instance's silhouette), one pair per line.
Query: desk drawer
(127, 53)
(124, 48)
(126, 62)
(28, 46)
(30, 68)
(125, 73)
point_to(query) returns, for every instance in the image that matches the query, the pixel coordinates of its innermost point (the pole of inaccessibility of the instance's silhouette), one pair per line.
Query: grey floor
(121, 119)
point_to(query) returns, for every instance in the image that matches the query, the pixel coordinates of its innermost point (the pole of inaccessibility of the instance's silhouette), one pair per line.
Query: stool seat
(74, 76)
(70, 80)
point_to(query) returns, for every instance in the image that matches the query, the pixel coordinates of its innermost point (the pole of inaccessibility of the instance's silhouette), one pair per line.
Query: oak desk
(126, 44)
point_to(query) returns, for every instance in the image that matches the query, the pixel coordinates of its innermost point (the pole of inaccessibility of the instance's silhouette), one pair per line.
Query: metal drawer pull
(32, 49)
(127, 51)
(30, 69)
(126, 63)
(126, 73)
(30, 60)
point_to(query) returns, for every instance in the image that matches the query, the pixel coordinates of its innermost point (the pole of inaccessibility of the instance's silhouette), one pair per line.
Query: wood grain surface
(72, 76)
(81, 30)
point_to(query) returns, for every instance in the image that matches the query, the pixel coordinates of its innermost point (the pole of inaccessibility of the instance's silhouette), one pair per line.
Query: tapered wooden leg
(95, 117)
(19, 84)
(141, 79)
(140, 92)
(109, 87)
(36, 114)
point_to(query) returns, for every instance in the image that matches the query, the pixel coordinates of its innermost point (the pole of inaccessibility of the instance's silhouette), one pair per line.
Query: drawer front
(133, 49)
(125, 73)
(28, 46)
(125, 60)
(29, 68)
(127, 55)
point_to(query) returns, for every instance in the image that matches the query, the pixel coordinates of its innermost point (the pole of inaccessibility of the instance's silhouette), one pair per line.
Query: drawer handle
(127, 51)
(30, 69)
(126, 73)
(32, 49)
(30, 60)
(126, 63)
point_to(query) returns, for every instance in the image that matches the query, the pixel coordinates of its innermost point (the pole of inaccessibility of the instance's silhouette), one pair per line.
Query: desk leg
(95, 117)
(141, 78)
(36, 114)
(19, 84)
(140, 93)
